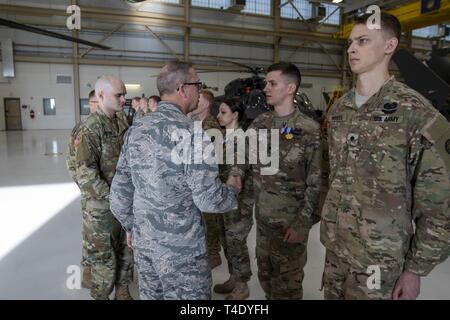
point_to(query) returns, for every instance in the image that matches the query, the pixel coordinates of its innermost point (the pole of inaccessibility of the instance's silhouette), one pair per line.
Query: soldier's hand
(235, 182)
(130, 240)
(407, 287)
(292, 236)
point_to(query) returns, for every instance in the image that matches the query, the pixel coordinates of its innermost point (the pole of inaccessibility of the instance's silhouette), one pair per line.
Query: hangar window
(335, 12)
(215, 4)
(305, 8)
(257, 7)
(251, 6)
(288, 11)
(170, 1)
(49, 107)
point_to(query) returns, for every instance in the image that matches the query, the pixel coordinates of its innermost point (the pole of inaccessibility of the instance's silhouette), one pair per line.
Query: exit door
(12, 114)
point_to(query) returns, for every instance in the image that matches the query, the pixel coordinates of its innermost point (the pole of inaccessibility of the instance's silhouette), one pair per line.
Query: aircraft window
(428, 32)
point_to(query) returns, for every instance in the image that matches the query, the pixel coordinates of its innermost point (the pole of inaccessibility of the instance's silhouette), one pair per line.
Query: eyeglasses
(199, 84)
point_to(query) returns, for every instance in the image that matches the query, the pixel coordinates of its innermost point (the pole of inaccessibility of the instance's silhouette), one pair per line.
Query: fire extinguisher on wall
(32, 114)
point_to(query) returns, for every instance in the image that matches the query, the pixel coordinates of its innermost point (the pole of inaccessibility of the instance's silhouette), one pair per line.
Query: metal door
(12, 114)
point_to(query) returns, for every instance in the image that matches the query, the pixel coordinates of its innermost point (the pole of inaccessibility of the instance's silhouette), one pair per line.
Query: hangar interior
(46, 81)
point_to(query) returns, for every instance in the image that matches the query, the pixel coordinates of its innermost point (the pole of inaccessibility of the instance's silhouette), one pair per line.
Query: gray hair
(172, 75)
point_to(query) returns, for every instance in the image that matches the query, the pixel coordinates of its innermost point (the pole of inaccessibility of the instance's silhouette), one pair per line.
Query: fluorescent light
(132, 86)
(337, 1)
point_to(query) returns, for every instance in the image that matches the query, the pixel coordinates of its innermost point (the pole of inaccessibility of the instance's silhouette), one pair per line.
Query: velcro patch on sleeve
(78, 140)
(438, 133)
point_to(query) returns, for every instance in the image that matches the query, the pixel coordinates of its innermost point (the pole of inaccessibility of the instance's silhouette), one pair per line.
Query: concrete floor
(40, 244)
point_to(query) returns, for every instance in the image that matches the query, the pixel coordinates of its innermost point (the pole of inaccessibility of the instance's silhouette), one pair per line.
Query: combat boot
(214, 261)
(123, 293)
(86, 281)
(240, 292)
(227, 286)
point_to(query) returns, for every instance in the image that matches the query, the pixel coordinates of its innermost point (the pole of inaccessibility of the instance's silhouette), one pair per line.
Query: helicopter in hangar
(251, 92)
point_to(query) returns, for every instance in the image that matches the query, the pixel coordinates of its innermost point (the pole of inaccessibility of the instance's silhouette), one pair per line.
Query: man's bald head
(105, 83)
(110, 92)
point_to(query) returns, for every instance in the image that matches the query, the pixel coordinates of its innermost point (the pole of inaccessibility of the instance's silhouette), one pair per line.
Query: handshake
(235, 182)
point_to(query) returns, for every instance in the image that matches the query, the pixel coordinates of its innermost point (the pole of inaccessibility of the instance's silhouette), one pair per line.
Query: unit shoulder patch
(78, 140)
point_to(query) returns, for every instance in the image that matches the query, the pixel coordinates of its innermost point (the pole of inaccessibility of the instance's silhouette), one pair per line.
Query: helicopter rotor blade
(251, 69)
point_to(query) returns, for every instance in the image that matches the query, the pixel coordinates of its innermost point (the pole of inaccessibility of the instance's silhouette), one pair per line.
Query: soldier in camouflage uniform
(153, 103)
(285, 201)
(143, 109)
(235, 226)
(386, 218)
(158, 194)
(71, 165)
(135, 103)
(97, 148)
(203, 114)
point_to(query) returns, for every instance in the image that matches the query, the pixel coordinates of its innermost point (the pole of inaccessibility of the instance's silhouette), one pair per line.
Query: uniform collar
(374, 101)
(171, 106)
(103, 114)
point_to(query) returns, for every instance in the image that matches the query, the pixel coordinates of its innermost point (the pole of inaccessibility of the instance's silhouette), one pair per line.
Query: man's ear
(292, 88)
(100, 95)
(391, 45)
(180, 90)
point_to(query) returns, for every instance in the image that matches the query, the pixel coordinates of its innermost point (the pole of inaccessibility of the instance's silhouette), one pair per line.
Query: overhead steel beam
(410, 17)
(103, 39)
(276, 40)
(162, 20)
(76, 73)
(187, 31)
(88, 28)
(165, 45)
(357, 4)
(15, 25)
(312, 30)
(152, 64)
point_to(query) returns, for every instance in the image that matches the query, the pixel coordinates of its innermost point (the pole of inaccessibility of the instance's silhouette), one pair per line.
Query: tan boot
(227, 286)
(123, 293)
(86, 281)
(240, 292)
(214, 261)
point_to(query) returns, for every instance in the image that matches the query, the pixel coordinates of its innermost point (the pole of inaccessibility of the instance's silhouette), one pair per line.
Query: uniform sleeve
(122, 190)
(313, 184)
(208, 192)
(240, 170)
(430, 158)
(87, 149)
(71, 162)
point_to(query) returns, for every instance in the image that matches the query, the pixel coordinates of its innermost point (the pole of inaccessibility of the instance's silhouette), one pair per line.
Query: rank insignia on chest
(390, 108)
